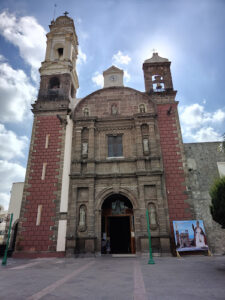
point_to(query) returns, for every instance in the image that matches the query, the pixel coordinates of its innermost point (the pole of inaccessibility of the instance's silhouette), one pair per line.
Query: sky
(124, 33)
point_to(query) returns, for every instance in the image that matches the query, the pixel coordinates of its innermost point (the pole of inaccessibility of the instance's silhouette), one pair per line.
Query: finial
(66, 13)
(154, 50)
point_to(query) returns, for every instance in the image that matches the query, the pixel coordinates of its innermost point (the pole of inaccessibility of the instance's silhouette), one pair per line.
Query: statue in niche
(145, 145)
(114, 109)
(142, 108)
(82, 218)
(152, 215)
(84, 148)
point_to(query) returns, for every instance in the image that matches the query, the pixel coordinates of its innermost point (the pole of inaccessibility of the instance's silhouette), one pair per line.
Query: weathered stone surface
(202, 169)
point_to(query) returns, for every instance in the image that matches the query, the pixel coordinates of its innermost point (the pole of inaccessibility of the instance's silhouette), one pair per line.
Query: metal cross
(154, 50)
(66, 13)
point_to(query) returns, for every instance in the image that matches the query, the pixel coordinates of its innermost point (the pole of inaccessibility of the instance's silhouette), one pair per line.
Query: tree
(217, 193)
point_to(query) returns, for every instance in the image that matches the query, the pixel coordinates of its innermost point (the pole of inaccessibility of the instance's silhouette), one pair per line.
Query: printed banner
(190, 235)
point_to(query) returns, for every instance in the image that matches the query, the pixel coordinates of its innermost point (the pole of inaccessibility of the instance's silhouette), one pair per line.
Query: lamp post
(151, 260)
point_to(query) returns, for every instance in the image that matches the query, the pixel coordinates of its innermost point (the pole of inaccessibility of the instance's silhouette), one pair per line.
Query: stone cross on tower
(66, 13)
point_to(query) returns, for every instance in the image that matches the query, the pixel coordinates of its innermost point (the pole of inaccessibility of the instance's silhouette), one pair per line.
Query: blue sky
(121, 32)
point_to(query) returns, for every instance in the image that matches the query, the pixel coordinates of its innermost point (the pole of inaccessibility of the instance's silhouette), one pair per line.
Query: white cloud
(16, 94)
(206, 134)
(121, 59)
(26, 34)
(9, 173)
(126, 76)
(98, 79)
(82, 57)
(199, 125)
(4, 200)
(11, 145)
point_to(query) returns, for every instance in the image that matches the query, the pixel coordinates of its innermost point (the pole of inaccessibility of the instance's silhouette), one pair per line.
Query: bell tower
(157, 74)
(43, 219)
(159, 87)
(59, 80)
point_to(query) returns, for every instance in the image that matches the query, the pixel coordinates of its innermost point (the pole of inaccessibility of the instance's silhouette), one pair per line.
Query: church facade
(97, 164)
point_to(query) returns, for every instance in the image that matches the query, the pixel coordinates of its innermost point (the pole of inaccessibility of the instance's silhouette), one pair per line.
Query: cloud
(98, 79)
(26, 34)
(126, 76)
(121, 59)
(4, 200)
(199, 125)
(16, 94)
(9, 173)
(82, 57)
(11, 145)
(206, 134)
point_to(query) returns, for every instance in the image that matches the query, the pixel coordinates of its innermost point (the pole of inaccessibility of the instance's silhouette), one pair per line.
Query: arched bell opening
(117, 227)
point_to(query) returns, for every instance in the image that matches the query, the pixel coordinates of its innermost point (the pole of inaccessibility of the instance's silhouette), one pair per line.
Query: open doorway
(117, 225)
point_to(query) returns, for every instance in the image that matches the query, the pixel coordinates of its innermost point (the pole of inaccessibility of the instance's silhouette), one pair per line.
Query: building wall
(16, 200)
(202, 168)
(136, 175)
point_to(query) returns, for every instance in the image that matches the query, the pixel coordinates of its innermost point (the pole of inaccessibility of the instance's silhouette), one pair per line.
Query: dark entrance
(117, 225)
(119, 232)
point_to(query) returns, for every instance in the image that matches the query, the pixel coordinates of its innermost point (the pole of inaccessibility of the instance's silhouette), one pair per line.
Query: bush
(217, 193)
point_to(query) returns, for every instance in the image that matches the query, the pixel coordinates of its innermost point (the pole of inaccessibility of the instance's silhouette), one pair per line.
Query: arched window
(54, 83)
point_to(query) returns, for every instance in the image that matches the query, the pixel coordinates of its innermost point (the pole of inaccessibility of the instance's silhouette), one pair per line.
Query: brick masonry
(33, 238)
(170, 141)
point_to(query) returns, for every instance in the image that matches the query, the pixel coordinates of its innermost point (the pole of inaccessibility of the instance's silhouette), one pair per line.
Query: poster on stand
(190, 235)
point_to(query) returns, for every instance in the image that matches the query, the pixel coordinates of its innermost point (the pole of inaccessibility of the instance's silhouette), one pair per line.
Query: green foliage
(217, 193)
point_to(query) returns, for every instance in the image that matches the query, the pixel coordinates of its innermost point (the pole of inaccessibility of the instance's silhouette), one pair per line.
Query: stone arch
(110, 191)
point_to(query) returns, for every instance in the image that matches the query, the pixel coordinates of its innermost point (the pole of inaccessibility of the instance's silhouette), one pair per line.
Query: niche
(142, 108)
(86, 112)
(145, 138)
(84, 142)
(82, 226)
(152, 216)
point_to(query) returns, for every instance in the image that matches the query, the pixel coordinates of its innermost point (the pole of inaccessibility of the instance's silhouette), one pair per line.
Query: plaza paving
(192, 277)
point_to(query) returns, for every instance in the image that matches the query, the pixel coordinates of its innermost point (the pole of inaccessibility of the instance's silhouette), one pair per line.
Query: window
(115, 147)
(54, 83)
